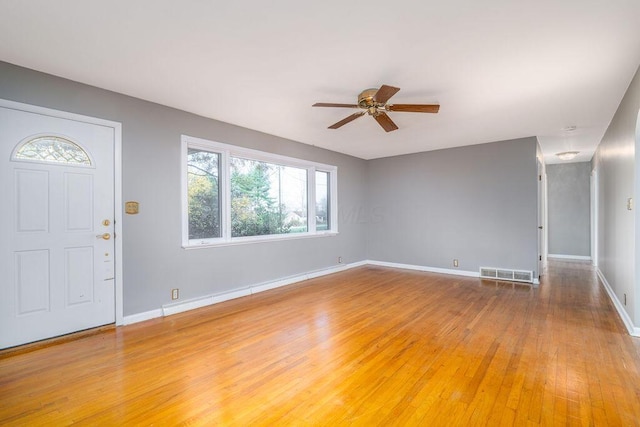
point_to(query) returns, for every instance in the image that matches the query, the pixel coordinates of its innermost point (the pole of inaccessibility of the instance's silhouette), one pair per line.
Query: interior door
(57, 223)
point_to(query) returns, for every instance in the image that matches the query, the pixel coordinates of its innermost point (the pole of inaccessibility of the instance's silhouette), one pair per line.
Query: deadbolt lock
(106, 222)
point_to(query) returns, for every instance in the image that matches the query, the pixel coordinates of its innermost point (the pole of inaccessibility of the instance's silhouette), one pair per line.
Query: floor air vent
(506, 274)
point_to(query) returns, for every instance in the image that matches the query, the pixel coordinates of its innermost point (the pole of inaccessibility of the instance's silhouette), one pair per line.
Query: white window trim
(227, 151)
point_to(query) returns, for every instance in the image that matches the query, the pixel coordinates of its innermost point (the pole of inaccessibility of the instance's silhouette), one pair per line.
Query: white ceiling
(500, 69)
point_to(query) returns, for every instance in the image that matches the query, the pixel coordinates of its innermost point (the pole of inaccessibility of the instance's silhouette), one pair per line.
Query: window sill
(260, 239)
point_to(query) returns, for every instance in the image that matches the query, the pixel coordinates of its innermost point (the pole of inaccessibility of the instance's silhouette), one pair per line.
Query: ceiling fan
(374, 103)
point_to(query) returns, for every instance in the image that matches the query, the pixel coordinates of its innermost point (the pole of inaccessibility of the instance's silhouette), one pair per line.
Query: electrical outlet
(339, 260)
(174, 293)
(455, 262)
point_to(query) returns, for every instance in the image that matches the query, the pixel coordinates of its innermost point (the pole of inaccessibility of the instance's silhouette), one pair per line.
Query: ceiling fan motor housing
(365, 99)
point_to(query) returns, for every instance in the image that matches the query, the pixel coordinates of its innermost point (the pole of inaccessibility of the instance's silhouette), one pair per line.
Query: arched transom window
(52, 149)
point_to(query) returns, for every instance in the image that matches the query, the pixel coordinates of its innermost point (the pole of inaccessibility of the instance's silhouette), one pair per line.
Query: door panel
(32, 281)
(78, 206)
(57, 273)
(79, 275)
(32, 200)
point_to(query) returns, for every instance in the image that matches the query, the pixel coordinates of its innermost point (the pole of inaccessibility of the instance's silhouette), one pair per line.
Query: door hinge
(540, 257)
(539, 177)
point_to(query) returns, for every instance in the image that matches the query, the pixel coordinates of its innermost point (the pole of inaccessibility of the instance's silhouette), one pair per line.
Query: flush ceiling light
(567, 155)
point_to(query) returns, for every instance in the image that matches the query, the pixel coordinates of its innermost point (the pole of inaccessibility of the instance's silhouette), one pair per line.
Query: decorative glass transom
(53, 149)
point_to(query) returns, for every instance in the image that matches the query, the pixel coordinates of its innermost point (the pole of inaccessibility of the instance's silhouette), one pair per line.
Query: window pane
(203, 191)
(267, 198)
(53, 149)
(322, 201)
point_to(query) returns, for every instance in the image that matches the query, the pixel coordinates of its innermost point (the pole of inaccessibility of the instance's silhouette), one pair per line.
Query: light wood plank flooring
(369, 346)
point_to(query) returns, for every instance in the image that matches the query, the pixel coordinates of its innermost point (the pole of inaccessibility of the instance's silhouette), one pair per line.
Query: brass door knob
(105, 236)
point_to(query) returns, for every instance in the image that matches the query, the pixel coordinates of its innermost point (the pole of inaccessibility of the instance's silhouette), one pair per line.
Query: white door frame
(542, 219)
(117, 177)
(594, 217)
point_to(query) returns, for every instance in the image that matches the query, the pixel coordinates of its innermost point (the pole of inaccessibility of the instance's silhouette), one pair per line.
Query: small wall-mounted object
(630, 203)
(131, 208)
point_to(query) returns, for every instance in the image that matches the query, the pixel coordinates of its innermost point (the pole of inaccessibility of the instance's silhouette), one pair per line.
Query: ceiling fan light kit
(567, 155)
(374, 103)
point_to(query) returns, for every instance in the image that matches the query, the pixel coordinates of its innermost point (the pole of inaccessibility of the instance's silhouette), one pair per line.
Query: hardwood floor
(369, 346)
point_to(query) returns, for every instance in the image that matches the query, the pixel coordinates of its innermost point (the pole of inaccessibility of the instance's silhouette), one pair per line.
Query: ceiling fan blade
(326, 104)
(384, 93)
(385, 121)
(347, 120)
(414, 108)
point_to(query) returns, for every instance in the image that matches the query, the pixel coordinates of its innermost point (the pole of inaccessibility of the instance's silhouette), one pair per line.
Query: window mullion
(311, 200)
(185, 194)
(333, 195)
(226, 196)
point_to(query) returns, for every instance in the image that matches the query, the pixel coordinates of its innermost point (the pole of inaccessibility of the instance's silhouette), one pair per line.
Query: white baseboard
(141, 317)
(182, 306)
(574, 257)
(192, 304)
(425, 268)
(306, 276)
(633, 330)
(450, 271)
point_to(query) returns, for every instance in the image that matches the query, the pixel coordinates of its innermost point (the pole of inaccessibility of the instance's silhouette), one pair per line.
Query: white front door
(56, 226)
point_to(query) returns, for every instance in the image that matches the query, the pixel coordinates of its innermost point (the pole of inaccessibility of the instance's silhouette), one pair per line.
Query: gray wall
(617, 160)
(477, 204)
(569, 204)
(154, 261)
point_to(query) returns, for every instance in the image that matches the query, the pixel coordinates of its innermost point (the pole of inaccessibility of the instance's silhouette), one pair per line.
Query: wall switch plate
(174, 293)
(630, 203)
(455, 262)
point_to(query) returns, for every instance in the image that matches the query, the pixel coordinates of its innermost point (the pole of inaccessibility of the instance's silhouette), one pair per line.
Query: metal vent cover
(488, 272)
(506, 274)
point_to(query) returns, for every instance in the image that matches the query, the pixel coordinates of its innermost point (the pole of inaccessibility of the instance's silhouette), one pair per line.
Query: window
(203, 190)
(236, 195)
(52, 149)
(322, 200)
(267, 198)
